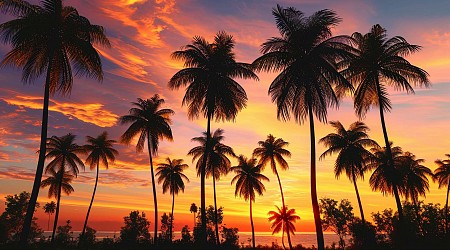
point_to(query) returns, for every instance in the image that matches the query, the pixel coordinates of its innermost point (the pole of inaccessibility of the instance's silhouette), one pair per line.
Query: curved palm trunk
(279, 181)
(90, 205)
(48, 222)
(202, 185)
(251, 222)
(215, 210)
(155, 201)
(446, 208)
(282, 238)
(171, 221)
(358, 197)
(40, 166)
(315, 203)
(289, 241)
(55, 223)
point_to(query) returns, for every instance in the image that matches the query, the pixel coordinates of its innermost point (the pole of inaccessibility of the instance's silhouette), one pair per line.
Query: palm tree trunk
(48, 223)
(215, 209)
(155, 201)
(446, 208)
(90, 205)
(315, 203)
(55, 223)
(40, 166)
(389, 152)
(279, 181)
(282, 238)
(289, 240)
(251, 222)
(171, 221)
(202, 184)
(358, 197)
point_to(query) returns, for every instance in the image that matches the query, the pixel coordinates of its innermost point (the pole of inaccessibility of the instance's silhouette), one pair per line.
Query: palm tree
(148, 122)
(271, 151)
(248, 179)
(57, 182)
(49, 209)
(194, 209)
(283, 220)
(380, 63)
(309, 83)
(99, 149)
(350, 146)
(210, 69)
(170, 174)
(442, 176)
(217, 162)
(56, 40)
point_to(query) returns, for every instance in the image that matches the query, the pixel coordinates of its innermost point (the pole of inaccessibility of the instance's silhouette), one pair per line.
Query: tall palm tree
(148, 122)
(309, 82)
(248, 180)
(57, 182)
(283, 221)
(350, 145)
(210, 69)
(380, 62)
(171, 176)
(194, 209)
(272, 151)
(56, 40)
(217, 162)
(49, 209)
(99, 149)
(442, 176)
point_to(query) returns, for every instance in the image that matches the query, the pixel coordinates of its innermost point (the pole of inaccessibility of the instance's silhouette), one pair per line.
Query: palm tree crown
(442, 173)
(283, 221)
(100, 149)
(65, 177)
(272, 151)
(248, 178)
(415, 177)
(64, 154)
(171, 176)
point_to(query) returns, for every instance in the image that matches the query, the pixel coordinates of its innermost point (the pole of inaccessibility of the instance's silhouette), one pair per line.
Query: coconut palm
(49, 209)
(350, 147)
(283, 221)
(58, 181)
(194, 209)
(248, 180)
(210, 69)
(217, 162)
(148, 122)
(272, 151)
(171, 176)
(99, 149)
(55, 40)
(309, 82)
(380, 63)
(442, 176)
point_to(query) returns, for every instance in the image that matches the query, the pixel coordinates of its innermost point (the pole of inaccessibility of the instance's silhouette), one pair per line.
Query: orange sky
(143, 34)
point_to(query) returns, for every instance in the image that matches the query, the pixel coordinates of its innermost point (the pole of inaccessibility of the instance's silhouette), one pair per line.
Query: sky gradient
(143, 34)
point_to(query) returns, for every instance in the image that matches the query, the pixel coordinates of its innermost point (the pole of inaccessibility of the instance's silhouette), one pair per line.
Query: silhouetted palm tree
(99, 149)
(350, 146)
(170, 174)
(248, 180)
(309, 82)
(57, 182)
(283, 221)
(194, 209)
(55, 40)
(148, 122)
(211, 91)
(49, 209)
(217, 162)
(381, 63)
(271, 151)
(442, 176)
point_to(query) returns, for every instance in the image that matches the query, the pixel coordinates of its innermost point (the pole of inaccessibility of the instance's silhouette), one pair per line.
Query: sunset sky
(143, 34)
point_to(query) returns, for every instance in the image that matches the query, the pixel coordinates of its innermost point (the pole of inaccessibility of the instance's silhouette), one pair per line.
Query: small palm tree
(380, 62)
(98, 149)
(210, 69)
(272, 151)
(248, 180)
(171, 176)
(148, 122)
(57, 182)
(49, 208)
(309, 82)
(217, 162)
(442, 176)
(55, 40)
(350, 146)
(194, 209)
(283, 221)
